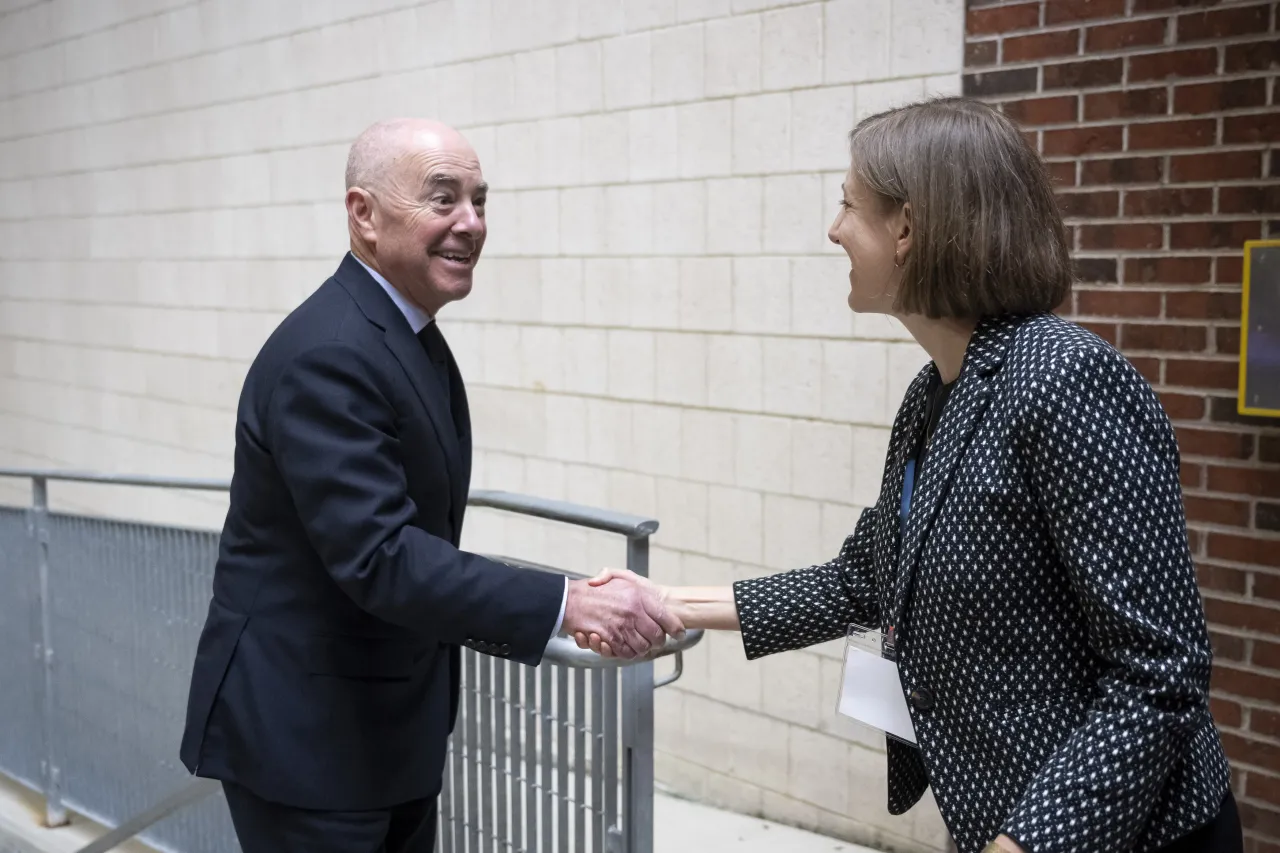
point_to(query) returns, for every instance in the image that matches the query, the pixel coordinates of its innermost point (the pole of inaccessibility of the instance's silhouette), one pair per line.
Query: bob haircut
(987, 235)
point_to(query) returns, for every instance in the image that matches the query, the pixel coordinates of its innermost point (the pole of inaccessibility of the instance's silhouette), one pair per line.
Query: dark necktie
(433, 342)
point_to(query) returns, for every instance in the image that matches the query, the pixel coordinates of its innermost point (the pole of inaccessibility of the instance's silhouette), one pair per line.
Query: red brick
(1267, 587)
(1126, 35)
(1167, 270)
(1266, 788)
(1228, 646)
(1199, 62)
(1109, 332)
(1212, 235)
(1117, 303)
(1220, 443)
(1162, 336)
(1094, 270)
(1218, 511)
(1063, 11)
(1002, 19)
(1222, 23)
(1240, 682)
(993, 84)
(1269, 449)
(1149, 368)
(1190, 474)
(1084, 75)
(1245, 549)
(1034, 111)
(1227, 342)
(1189, 133)
(1131, 102)
(1121, 236)
(1123, 170)
(1218, 166)
(1259, 819)
(1254, 56)
(1264, 199)
(1254, 753)
(1225, 712)
(1229, 270)
(1194, 541)
(1063, 173)
(1089, 204)
(1078, 141)
(1202, 305)
(1203, 373)
(1184, 407)
(1243, 130)
(981, 53)
(1244, 481)
(1161, 5)
(1219, 578)
(1264, 722)
(1041, 46)
(1266, 654)
(1267, 517)
(1171, 202)
(1218, 96)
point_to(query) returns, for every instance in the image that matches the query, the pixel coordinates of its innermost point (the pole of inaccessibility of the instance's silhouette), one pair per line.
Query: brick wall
(1159, 121)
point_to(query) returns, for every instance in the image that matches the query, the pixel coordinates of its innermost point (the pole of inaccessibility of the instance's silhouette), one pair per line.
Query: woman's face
(870, 235)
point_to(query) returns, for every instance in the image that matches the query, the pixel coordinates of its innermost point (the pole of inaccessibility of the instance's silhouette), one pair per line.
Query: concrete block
(654, 144)
(872, 98)
(761, 134)
(649, 14)
(793, 376)
(628, 71)
(943, 85)
(734, 215)
(582, 221)
(793, 214)
(656, 439)
(680, 375)
(795, 689)
(822, 461)
(541, 362)
(792, 56)
(680, 210)
(870, 446)
(735, 371)
(820, 123)
(819, 297)
(706, 446)
(700, 10)
(839, 520)
(857, 39)
(733, 47)
(926, 37)
(761, 295)
(518, 157)
(563, 301)
(705, 133)
(586, 361)
(628, 210)
(818, 769)
(566, 425)
(706, 294)
(792, 532)
(502, 355)
(601, 18)
(683, 508)
(580, 77)
(535, 84)
(679, 65)
(633, 493)
(607, 289)
(631, 364)
(761, 458)
(455, 88)
(605, 148)
(654, 293)
(608, 433)
(560, 152)
(855, 377)
(740, 6)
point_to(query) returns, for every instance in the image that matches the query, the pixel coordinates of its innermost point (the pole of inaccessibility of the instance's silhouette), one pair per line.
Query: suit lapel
(407, 349)
(960, 418)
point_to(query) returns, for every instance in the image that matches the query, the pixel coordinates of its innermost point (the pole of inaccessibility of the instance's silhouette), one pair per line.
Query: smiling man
(326, 679)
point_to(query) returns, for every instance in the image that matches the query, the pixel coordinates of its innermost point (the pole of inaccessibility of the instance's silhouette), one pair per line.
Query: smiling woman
(1027, 553)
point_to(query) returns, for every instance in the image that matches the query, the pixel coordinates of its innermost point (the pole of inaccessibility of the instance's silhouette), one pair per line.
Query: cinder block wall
(658, 326)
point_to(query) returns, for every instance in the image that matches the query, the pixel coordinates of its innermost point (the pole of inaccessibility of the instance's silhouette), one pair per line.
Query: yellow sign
(1260, 330)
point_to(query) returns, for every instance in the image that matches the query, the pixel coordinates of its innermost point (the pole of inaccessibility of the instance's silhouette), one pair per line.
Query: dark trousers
(1220, 835)
(265, 827)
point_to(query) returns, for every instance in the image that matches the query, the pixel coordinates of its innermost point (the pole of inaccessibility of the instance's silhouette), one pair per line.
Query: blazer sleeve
(332, 433)
(804, 607)
(1104, 466)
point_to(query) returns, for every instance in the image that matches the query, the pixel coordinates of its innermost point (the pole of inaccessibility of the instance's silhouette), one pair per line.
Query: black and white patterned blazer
(1051, 639)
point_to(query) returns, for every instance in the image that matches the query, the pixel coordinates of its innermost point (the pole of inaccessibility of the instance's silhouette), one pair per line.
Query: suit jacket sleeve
(804, 607)
(333, 435)
(1104, 466)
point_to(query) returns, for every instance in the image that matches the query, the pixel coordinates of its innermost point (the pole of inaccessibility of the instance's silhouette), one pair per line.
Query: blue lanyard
(908, 484)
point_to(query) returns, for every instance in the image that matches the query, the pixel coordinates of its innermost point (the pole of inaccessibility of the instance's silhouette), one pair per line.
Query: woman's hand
(662, 593)
(1003, 844)
(711, 607)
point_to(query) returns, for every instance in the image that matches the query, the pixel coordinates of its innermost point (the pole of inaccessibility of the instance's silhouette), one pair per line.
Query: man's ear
(361, 213)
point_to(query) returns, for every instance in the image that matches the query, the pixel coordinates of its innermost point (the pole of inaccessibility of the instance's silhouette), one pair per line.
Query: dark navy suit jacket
(327, 673)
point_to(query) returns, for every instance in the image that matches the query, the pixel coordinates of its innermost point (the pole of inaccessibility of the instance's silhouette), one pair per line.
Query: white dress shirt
(418, 320)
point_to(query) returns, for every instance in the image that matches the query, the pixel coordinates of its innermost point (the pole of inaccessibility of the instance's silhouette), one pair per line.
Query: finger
(581, 639)
(606, 650)
(638, 642)
(595, 643)
(604, 577)
(669, 621)
(650, 630)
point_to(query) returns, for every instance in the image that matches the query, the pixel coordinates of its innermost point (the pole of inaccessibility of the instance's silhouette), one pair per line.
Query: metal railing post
(55, 813)
(637, 731)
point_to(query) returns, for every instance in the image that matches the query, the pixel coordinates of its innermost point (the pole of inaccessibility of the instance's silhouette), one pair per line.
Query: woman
(1028, 546)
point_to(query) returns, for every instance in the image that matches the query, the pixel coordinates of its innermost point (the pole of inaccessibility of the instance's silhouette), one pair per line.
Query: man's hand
(623, 618)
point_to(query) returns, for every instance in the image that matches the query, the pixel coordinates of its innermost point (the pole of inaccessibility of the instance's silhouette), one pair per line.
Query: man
(326, 679)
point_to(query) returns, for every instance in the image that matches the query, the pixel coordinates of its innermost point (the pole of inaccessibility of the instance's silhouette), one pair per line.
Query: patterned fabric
(1042, 593)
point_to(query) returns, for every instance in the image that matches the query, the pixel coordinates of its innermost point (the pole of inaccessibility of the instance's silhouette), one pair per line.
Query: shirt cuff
(564, 600)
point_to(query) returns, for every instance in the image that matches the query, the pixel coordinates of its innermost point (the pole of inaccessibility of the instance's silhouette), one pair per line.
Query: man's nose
(469, 220)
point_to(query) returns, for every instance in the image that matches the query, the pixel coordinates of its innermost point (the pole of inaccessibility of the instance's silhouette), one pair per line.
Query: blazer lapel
(407, 349)
(960, 418)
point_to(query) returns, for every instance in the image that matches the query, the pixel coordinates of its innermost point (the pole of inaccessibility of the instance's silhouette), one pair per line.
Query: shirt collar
(418, 319)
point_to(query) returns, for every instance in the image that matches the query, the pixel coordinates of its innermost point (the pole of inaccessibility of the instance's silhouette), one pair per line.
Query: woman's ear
(902, 229)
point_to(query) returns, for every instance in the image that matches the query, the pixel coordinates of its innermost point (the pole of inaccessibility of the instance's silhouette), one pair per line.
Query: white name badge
(870, 690)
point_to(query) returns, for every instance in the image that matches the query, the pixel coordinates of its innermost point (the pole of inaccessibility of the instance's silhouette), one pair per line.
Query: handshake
(620, 614)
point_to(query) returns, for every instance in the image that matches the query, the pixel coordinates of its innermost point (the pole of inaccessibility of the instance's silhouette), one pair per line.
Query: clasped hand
(619, 614)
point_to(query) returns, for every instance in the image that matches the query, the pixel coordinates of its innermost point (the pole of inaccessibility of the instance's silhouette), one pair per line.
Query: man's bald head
(415, 208)
(382, 147)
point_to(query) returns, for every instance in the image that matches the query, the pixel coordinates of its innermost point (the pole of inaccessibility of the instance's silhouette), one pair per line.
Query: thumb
(604, 577)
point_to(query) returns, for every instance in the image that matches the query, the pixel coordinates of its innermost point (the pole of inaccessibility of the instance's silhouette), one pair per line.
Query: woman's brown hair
(987, 236)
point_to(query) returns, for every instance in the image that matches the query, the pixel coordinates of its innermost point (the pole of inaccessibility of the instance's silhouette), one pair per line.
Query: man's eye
(442, 199)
